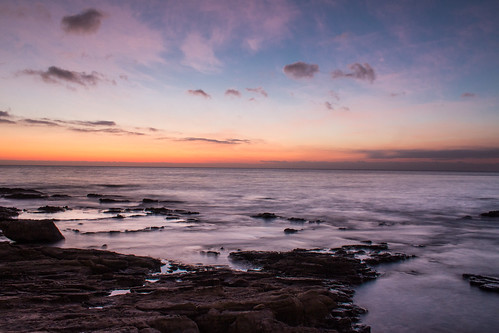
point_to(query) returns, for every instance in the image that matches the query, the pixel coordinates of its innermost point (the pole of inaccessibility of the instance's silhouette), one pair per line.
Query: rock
(297, 220)
(148, 201)
(8, 212)
(487, 283)
(288, 231)
(174, 324)
(52, 209)
(94, 195)
(31, 231)
(21, 193)
(111, 200)
(492, 213)
(265, 216)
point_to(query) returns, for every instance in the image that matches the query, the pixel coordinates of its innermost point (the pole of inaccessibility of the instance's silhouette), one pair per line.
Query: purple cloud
(329, 106)
(199, 92)
(301, 70)
(223, 142)
(468, 95)
(85, 22)
(232, 92)
(4, 114)
(258, 90)
(358, 71)
(57, 75)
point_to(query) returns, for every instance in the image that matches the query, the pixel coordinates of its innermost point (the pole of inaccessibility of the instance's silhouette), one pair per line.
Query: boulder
(8, 212)
(31, 231)
(492, 213)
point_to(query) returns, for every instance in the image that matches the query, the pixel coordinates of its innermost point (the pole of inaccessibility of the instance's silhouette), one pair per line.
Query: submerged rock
(487, 283)
(31, 231)
(288, 231)
(265, 216)
(52, 209)
(21, 193)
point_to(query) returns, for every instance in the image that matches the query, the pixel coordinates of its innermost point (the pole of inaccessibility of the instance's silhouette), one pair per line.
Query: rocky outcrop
(67, 290)
(492, 213)
(21, 193)
(487, 283)
(8, 212)
(31, 231)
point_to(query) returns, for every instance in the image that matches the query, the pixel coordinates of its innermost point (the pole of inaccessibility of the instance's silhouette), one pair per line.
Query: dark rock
(60, 196)
(467, 217)
(148, 201)
(297, 220)
(487, 283)
(113, 211)
(175, 323)
(492, 213)
(31, 231)
(94, 195)
(265, 216)
(21, 193)
(8, 212)
(118, 216)
(111, 200)
(288, 231)
(52, 209)
(158, 211)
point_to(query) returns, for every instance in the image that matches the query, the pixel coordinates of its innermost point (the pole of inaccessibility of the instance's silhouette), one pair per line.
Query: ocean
(213, 214)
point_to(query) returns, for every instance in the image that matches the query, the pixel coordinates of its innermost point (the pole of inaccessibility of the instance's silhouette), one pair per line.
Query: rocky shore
(49, 289)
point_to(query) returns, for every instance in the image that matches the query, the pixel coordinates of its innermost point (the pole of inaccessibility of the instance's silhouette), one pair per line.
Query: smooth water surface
(418, 213)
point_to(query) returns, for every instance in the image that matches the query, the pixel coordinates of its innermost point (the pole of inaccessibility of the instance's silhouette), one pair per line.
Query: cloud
(334, 95)
(6, 121)
(445, 154)
(329, 106)
(223, 142)
(394, 94)
(468, 95)
(258, 90)
(85, 22)
(97, 123)
(232, 92)
(117, 131)
(199, 92)
(44, 122)
(57, 75)
(301, 70)
(4, 114)
(199, 53)
(358, 71)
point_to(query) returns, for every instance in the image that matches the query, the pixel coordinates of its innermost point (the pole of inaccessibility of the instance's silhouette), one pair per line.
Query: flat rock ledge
(49, 289)
(486, 283)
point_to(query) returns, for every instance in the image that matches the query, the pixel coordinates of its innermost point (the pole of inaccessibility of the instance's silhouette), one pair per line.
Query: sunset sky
(250, 83)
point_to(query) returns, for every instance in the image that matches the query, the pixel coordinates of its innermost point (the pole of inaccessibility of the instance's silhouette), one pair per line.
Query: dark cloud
(329, 106)
(57, 75)
(468, 95)
(44, 122)
(358, 71)
(446, 154)
(232, 92)
(301, 70)
(6, 121)
(85, 22)
(4, 114)
(117, 131)
(258, 90)
(199, 92)
(224, 142)
(97, 123)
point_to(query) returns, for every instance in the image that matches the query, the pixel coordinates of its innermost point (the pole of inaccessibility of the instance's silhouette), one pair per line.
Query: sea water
(419, 213)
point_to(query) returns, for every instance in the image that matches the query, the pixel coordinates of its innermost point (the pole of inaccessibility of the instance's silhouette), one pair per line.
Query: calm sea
(418, 213)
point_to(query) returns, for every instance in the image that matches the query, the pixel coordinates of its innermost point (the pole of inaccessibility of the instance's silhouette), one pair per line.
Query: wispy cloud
(444, 154)
(58, 75)
(44, 122)
(232, 92)
(6, 121)
(199, 92)
(357, 71)
(223, 142)
(199, 53)
(117, 131)
(329, 106)
(468, 95)
(85, 22)
(301, 70)
(334, 94)
(397, 94)
(258, 90)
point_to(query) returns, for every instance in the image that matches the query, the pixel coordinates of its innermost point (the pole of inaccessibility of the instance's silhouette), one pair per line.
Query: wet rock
(94, 195)
(113, 211)
(492, 213)
(265, 216)
(31, 231)
(289, 231)
(118, 216)
(21, 193)
(8, 212)
(487, 283)
(297, 220)
(467, 217)
(111, 200)
(159, 211)
(52, 209)
(149, 201)
(175, 323)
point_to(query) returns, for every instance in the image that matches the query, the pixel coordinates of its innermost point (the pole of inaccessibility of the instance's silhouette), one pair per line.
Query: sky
(319, 83)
